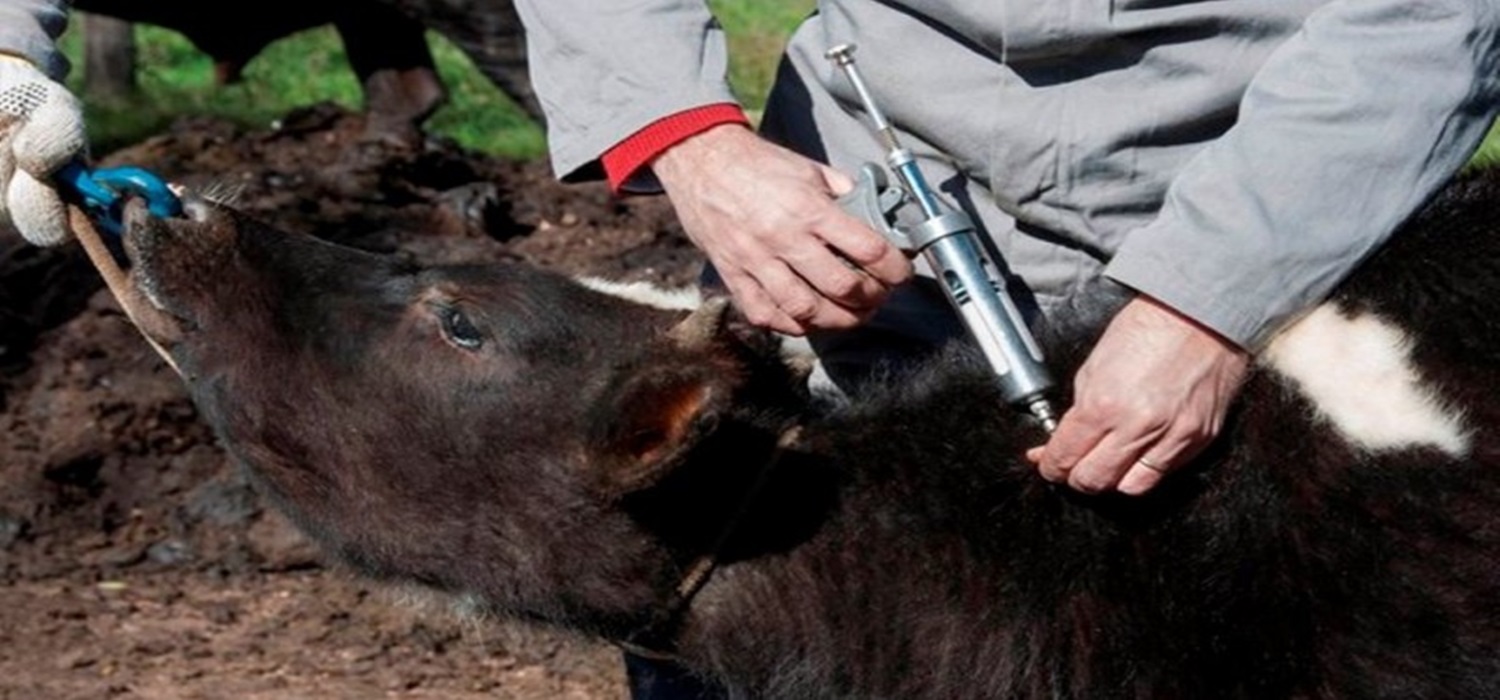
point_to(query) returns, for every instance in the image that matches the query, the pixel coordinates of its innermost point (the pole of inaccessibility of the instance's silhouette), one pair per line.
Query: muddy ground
(135, 562)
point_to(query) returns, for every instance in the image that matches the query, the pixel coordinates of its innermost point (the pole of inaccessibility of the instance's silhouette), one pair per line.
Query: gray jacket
(1232, 158)
(29, 29)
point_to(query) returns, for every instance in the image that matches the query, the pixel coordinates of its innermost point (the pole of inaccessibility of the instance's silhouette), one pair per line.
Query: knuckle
(1104, 404)
(1059, 462)
(1093, 411)
(1088, 483)
(841, 321)
(810, 207)
(759, 315)
(866, 249)
(846, 286)
(901, 271)
(778, 222)
(800, 309)
(1195, 432)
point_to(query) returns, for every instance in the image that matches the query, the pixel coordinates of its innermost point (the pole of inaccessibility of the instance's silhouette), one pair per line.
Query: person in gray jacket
(41, 123)
(1227, 162)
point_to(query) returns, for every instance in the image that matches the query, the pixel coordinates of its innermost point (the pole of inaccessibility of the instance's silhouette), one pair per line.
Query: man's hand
(41, 129)
(765, 218)
(1152, 394)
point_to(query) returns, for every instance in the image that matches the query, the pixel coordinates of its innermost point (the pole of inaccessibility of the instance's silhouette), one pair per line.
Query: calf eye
(460, 330)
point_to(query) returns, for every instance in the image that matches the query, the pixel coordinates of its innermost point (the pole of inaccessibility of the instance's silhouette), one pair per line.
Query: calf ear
(654, 420)
(655, 411)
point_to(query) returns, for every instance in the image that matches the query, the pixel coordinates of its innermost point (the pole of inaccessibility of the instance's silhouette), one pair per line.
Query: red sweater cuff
(625, 158)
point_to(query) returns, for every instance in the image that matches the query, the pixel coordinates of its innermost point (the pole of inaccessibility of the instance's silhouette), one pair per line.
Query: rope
(114, 278)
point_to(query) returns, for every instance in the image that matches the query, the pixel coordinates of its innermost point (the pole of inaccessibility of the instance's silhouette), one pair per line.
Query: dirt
(137, 562)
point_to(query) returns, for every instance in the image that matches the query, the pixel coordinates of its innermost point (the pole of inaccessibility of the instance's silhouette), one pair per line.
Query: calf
(664, 480)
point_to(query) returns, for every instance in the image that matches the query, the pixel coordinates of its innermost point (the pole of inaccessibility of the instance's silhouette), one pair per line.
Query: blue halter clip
(103, 193)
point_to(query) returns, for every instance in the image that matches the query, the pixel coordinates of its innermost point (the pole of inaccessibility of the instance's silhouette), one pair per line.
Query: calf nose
(137, 209)
(199, 238)
(136, 214)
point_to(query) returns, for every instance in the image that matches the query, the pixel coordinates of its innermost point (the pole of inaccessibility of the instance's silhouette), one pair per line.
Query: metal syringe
(947, 239)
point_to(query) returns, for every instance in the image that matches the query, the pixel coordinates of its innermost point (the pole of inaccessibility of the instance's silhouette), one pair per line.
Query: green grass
(757, 32)
(1489, 151)
(175, 79)
(478, 115)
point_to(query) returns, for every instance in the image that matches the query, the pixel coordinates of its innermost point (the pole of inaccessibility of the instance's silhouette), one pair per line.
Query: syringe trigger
(875, 202)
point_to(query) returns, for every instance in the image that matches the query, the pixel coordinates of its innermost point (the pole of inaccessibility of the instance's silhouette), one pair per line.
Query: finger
(1142, 476)
(833, 278)
(773, 296)
(36, 210)
(1104, 465)
(758, 306)
(866, 249)
(1075, 436)
(857, 242)
(1153, 464)
(796, 298)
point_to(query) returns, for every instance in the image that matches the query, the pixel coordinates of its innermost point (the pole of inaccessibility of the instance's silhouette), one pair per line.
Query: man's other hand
(1151, 395)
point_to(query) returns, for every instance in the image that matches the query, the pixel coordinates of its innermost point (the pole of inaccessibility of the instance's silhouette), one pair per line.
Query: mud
(135, 560)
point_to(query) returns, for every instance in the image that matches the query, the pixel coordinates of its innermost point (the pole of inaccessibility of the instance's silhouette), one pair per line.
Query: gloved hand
(41, 129)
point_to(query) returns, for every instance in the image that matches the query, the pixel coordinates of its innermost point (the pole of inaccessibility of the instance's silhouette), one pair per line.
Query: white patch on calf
(1358, 372)
(681, 299)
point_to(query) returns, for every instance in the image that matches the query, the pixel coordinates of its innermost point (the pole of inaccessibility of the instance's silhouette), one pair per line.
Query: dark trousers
(663, 680)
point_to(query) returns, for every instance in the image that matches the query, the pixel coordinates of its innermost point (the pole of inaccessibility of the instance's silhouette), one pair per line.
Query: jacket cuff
(627, 160)
(1171, 281)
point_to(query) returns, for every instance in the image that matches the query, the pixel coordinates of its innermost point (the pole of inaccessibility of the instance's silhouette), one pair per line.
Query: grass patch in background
(1488, 154)
(479, 115)
(757, 31)
(175, 79)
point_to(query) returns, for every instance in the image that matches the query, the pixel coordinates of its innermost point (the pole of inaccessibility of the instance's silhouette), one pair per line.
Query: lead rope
(114, 278)
(703, 567)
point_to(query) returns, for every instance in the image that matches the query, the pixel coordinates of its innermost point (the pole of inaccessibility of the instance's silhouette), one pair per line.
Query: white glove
(41, 130)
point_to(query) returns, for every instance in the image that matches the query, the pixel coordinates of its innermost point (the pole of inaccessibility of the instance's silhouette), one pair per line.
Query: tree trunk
(109, 57)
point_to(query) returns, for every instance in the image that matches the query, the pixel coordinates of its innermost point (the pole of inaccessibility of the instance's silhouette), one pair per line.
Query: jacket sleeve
(29, 29)
(605, 69)
(1344, 133)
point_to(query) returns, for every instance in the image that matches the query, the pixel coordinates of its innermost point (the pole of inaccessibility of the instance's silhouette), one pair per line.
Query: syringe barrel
(977, 291)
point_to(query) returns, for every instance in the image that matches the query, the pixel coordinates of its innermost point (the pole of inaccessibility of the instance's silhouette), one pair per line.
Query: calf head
(410, 417)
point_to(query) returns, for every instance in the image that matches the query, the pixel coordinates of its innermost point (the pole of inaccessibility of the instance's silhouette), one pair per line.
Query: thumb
(36, 210)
